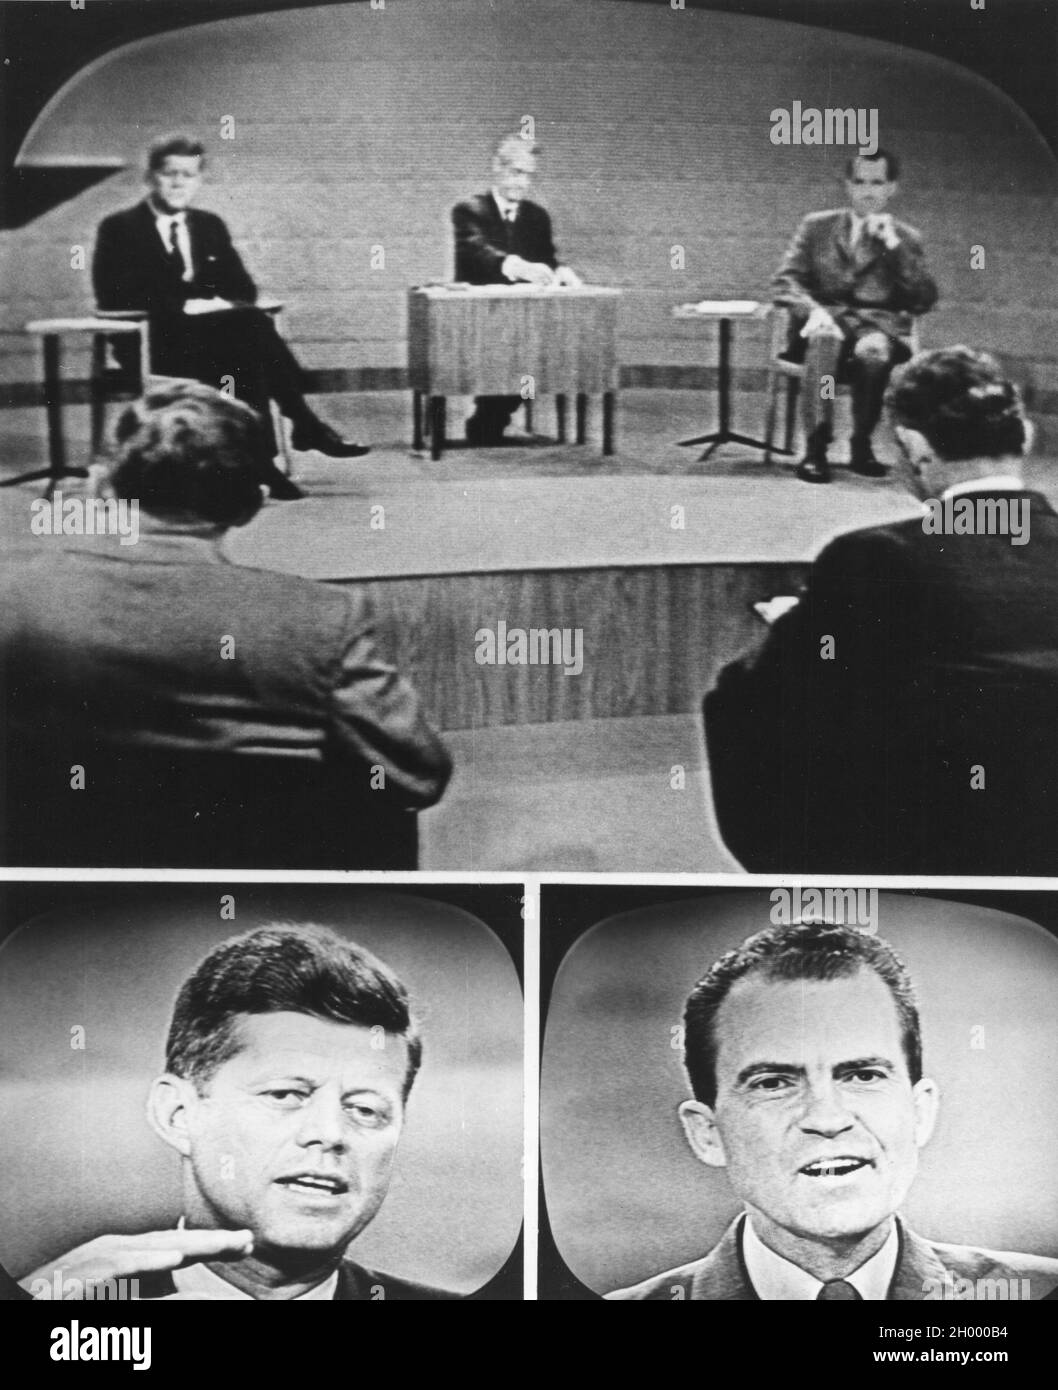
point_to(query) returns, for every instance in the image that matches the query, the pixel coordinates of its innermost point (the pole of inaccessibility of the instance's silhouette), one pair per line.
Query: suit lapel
(149, 232)
(721, 1276)
(502, 226)
(844, 236)
(917, 1265)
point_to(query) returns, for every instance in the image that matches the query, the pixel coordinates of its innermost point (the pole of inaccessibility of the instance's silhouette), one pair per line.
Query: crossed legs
(864, 358)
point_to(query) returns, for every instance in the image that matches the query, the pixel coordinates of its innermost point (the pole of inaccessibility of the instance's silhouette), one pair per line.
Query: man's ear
(925, 1098)
(699, 1125)
(168, 1102)
(916, 446)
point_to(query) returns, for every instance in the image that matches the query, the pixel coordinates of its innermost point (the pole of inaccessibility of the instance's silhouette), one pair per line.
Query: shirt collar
(199, 1281)
(503, 203)
(164, 218)
(776, 1279)
(993, 482)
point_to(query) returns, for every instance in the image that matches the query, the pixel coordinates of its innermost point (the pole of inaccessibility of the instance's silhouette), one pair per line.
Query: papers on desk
(513, 288)
(722, 308)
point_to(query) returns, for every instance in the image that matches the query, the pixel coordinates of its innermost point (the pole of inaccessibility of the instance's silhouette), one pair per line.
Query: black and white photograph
(528, 670)
(262, 1092)
(530, 435)
(840, 1094)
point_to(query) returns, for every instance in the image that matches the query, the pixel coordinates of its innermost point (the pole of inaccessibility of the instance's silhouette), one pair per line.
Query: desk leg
(416, 420)
(529, 415)
(437, 426)
(724, 434)
(560, 417)
(724, 383)
(53, 406)
(582, 417)
(608, 398)
(96, 388)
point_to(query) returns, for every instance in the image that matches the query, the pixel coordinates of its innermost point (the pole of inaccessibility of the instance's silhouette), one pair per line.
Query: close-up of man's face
(176, 181)
(294, 1137)
(513, 171)
(869, 186)
(816, 1119)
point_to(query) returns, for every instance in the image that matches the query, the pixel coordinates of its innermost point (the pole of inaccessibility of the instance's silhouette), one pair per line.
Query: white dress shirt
(776, 1279)
(508, 211)
(164, 221)
(200, 1281)
(992, 482)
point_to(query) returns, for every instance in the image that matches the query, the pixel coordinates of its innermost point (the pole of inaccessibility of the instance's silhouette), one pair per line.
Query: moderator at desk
(525, 340)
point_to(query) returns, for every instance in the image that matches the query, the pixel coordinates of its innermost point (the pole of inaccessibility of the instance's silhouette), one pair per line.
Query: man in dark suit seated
(899, 718)
(502, 237)
(179, 265)
(289, 1062)
(854, 278)
(164, 649)
(803, 1050)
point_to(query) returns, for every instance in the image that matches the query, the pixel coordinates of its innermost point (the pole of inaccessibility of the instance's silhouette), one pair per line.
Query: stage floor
(566, 794)
(535, 505)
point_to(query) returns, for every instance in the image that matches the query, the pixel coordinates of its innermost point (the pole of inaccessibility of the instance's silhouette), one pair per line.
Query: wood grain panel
(486, 340)
(653, 638)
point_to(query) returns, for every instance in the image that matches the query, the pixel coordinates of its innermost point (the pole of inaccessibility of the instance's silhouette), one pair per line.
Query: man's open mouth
(838, 1167)
(325, 1184)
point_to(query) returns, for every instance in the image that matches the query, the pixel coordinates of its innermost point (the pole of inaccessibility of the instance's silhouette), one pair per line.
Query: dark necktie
(838, 1291)
(176, 256)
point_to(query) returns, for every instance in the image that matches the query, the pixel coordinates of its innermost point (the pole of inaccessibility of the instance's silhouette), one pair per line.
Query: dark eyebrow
(795, 1069)
(863, 1063)
(759, 1068)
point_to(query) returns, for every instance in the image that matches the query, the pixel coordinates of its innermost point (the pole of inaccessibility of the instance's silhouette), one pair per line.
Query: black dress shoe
(864, 462)
(814, 468)
(482, 436)
(282, 489)
(314, 434)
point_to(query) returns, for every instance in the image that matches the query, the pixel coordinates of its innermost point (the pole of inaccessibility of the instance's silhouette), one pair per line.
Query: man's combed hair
(187, 450)
(283, 969)
(515, 141)
(959, 400)
(892, 163)
(807, 951)
(186, 146)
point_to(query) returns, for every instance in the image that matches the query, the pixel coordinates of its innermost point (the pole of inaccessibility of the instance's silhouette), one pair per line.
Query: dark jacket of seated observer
(927, 741)
(221, 714)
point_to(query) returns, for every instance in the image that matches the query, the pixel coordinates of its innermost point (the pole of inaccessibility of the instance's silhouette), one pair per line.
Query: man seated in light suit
(899, 717)
(854, 278)
(501, 238)
(289, 1062)
(179, 264)
(803, 1050)
(165, 650)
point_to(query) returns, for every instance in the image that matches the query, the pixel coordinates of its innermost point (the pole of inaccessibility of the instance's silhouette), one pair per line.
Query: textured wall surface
(358, 128)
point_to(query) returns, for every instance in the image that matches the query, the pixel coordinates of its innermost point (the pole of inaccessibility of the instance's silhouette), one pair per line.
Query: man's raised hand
(121, 1257)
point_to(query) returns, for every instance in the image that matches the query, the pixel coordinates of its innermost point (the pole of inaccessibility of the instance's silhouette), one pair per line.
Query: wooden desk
(509, 340)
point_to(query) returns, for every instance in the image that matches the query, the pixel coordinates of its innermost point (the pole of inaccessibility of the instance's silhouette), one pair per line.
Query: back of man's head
(188, 452)
(283, 968)
(804, 951)
(961, 403)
